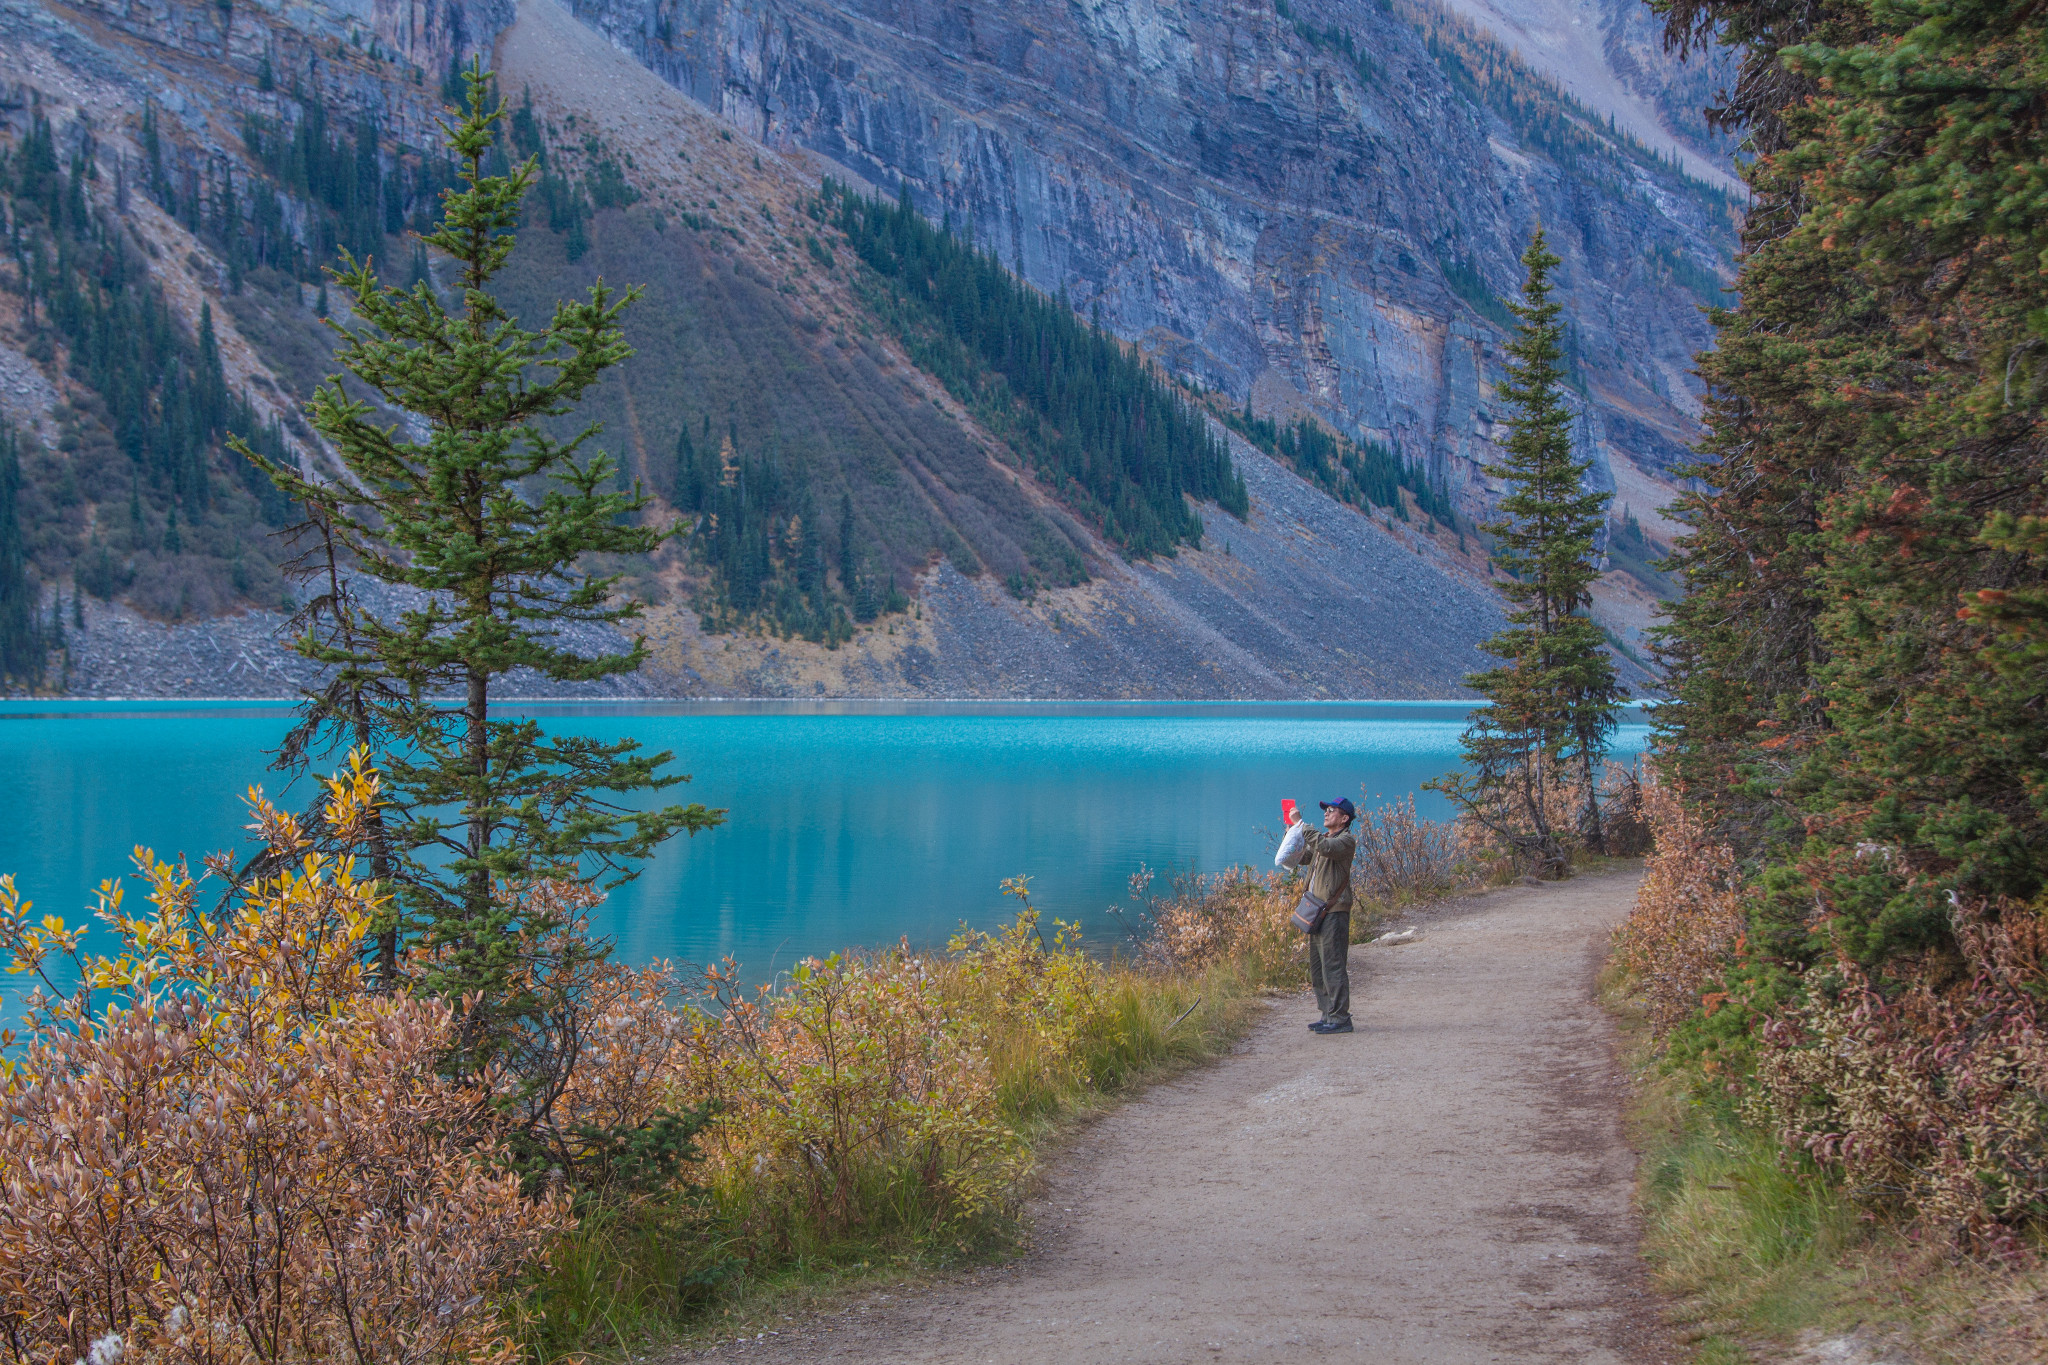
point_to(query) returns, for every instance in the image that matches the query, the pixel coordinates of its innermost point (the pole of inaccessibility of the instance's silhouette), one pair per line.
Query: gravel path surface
(1449, 1184)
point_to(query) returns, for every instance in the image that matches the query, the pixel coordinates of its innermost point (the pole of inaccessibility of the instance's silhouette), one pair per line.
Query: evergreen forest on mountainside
(792, 523)
(758, 530)
(1364, 476)
(169, 517)
(140, 499)
(1108, 433)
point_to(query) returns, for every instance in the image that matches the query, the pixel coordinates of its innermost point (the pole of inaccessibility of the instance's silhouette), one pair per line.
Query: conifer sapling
(480, 519)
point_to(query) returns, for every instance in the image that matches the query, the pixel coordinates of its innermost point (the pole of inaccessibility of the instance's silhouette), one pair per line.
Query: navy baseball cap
(1342, 803)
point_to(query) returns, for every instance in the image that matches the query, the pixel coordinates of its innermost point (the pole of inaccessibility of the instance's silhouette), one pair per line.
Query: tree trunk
(381, 869)
(477, 716)
(1596, 838)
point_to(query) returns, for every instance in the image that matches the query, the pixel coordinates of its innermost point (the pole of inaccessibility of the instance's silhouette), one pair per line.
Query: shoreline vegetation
(716, 1152)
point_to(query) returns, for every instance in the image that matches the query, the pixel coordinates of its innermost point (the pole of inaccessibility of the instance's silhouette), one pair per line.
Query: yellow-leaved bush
(219, 1147)
(1048, 1001)
(854, 1094)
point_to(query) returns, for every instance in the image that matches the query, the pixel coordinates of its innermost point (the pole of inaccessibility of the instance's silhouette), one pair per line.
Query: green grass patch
(1747, 1238)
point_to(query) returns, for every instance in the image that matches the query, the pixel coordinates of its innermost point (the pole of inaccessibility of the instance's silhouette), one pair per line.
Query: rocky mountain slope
(1337, 293)
(1309, 205)
(1305, 597)
(1610, 55)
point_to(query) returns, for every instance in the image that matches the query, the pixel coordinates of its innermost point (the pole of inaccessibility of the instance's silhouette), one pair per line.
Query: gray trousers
(1329, 967)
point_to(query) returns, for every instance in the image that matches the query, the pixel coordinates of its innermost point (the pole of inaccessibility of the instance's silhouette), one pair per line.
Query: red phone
(1288, 812)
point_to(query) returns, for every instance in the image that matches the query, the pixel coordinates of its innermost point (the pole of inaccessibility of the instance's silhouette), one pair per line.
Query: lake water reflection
(851, 823)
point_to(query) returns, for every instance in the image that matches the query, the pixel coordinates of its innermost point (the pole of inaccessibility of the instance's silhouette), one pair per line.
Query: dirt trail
(1446, 1185)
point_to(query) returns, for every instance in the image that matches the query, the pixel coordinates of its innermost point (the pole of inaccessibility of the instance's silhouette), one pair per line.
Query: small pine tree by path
(1554, 695)
(486, 519)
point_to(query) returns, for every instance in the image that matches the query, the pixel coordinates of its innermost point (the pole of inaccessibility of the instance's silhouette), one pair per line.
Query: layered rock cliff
(1301, 208)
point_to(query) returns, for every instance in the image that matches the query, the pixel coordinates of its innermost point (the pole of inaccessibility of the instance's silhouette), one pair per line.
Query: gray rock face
(197, 64)
(1632, 38)
(1244, 202)
(119, 653)
(1226, 192)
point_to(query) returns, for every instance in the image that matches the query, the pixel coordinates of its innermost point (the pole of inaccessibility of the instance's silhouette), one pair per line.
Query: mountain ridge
(744, 211)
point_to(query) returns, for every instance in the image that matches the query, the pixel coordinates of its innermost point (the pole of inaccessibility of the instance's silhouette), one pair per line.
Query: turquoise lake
(850, 824)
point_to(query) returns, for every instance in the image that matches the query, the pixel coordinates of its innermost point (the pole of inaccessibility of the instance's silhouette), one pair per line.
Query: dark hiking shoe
(1327, 1027)
(1317, 1026)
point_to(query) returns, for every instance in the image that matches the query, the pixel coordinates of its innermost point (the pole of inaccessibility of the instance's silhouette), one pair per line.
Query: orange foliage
(1208, 919)
(1687, 919)
(219, 1148)
(1402, 856)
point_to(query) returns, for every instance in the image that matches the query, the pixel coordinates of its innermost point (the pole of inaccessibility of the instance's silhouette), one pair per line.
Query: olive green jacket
(1327, 865)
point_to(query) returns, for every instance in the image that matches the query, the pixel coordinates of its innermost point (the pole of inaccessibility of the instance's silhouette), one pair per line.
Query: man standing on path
(1327, 859)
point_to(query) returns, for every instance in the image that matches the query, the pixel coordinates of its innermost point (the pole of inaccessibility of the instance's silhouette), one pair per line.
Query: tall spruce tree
(486, 519)
(1554, 696)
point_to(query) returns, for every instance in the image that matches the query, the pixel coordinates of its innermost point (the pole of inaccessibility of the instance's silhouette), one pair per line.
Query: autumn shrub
(233, 1143)
(218, 1147)
(1926, 1090)
(879, 1095)
(1502, 825)
(1208, 918)
(580, 1074)
(1687, 919)
(1047, 1009)
(1929, 1093)
(856, 1098)
(1495, 835)
(1402, 857)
